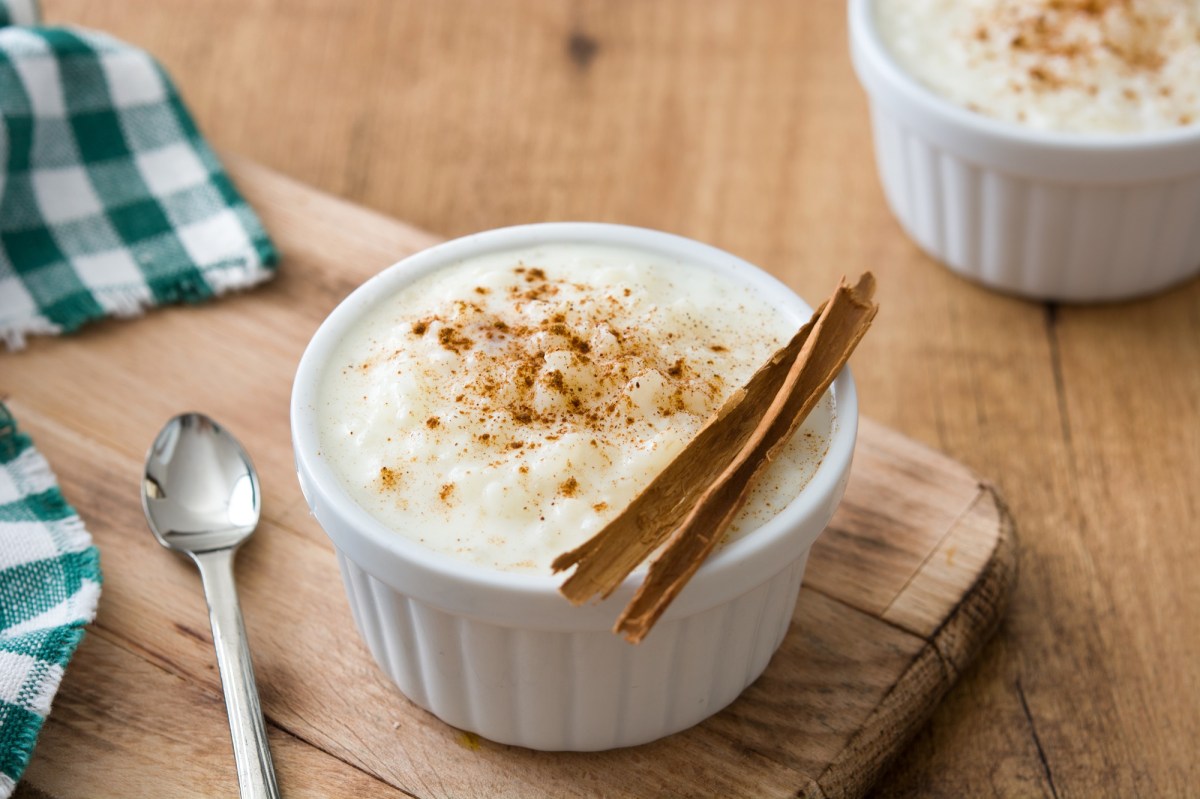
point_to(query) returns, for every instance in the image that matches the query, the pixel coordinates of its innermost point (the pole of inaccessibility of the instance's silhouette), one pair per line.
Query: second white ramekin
(1049, 216)
(503, 654)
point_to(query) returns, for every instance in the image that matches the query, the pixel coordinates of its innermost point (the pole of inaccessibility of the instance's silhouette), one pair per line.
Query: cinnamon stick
(701, 490)
(608, 557)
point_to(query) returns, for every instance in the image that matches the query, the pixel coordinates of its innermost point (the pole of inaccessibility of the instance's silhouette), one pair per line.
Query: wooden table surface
(740, 124)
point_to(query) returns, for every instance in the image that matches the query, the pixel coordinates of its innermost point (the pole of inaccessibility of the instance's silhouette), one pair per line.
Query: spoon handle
(256, 773)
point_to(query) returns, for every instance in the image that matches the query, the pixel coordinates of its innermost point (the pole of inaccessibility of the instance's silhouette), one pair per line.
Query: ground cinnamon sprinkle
(1070, 65)
(388, 477)
(556, 381)
(511, 359)
(452, 339)
(1059, 32)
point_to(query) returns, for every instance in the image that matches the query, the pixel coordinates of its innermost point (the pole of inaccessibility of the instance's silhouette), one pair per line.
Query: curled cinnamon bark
(694, 499)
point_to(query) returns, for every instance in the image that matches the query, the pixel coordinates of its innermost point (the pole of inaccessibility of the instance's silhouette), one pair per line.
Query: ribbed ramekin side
(1158, 240)
(1038, 238)
(580, 691)
(384, 619)
(777, 615)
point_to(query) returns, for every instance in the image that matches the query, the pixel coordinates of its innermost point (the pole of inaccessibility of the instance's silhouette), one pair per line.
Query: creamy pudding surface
(1083, 66)
(503, 409)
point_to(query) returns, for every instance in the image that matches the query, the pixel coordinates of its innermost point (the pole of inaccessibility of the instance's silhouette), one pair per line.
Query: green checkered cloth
(49, 585)
(19, 12)
(110, 200)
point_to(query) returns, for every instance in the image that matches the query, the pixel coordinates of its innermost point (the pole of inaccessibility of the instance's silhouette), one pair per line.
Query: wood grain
(849, 686)
(98, 738)
(740, 124)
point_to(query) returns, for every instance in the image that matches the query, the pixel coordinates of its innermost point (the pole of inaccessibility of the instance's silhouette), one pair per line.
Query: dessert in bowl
(531, 380)
(1049, 149)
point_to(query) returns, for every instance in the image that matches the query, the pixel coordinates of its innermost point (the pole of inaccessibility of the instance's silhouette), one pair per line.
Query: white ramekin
(1050, 216)
(504, 654)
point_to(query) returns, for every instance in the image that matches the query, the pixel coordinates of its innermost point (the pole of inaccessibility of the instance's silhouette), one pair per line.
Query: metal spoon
(201, 497)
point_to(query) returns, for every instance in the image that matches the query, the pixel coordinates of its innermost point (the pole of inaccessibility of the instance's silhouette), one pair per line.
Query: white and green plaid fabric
(49, 585)
(19, 12)
(110, 200)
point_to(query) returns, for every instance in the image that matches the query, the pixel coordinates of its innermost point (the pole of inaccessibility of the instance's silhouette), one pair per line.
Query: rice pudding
(504, 408)
(1082, 66)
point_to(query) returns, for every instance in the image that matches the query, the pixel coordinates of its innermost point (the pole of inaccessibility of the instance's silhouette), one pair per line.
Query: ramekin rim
(825, 481)
(865, 35)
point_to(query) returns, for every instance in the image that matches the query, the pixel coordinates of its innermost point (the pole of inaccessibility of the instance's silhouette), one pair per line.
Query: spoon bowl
(200, 490)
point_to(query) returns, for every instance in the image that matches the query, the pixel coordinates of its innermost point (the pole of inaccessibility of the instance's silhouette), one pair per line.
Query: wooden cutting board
(900, 594)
